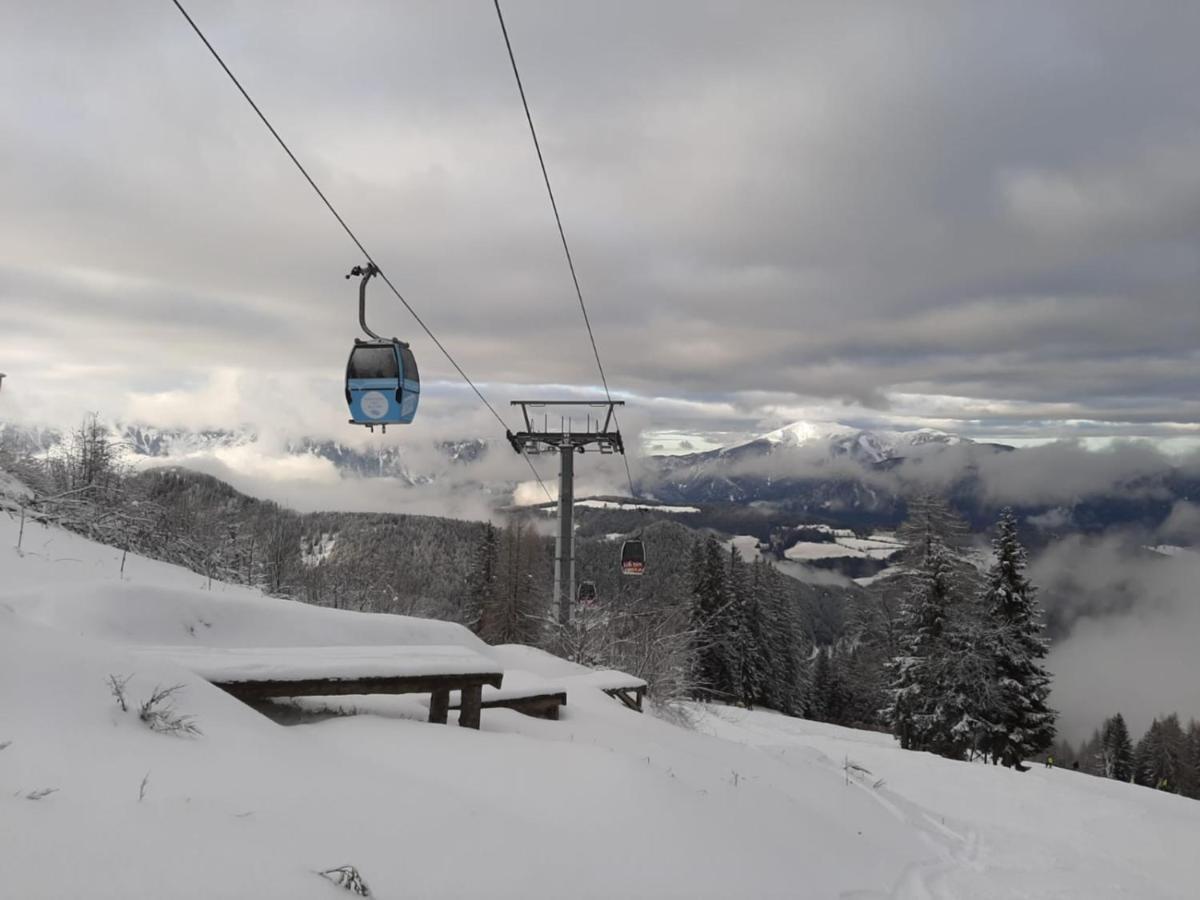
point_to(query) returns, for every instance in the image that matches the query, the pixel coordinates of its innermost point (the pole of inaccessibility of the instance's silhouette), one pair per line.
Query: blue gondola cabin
(382, 383)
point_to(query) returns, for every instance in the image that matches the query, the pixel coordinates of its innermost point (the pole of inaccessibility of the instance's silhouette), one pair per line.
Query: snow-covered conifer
(751, 652)
(1022, 722)
(1159, 758)
(710, 621)
(923, 618)
(1116, 749)
(481, 584)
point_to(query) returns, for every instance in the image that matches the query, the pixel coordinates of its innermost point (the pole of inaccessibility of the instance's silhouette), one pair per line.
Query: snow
(320, 550)
(878, 576)
(656, 507)
(869, 446)
(609, 680)
(999, 834)
(746, 544)
(820, 550)
(1172, 550)
(234, 664)
(602, 803)
(807, 432)
(12, 491)
(845, 545)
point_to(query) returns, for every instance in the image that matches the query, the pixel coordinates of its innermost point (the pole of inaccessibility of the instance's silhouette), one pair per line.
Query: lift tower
(600, 431)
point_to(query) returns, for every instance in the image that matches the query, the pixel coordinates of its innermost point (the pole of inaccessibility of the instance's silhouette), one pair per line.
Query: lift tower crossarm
(604, 436)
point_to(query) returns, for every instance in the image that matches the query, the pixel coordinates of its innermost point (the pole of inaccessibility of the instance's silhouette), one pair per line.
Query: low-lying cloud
(1054, 474)
(1130, 622)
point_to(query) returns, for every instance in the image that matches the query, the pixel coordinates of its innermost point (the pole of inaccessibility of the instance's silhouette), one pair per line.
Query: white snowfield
(616, 504)
(877, 546)
(604, 803)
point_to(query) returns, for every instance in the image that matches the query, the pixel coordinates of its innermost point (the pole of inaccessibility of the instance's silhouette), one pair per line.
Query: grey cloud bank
(983, 217)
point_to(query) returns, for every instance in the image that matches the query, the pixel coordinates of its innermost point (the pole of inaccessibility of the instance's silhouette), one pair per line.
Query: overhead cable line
(350, 233)
(561, 233)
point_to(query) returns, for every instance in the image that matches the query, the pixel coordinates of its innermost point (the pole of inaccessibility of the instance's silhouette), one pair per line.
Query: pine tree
(930, 520)
(1191, 786)
(821, 681)
(936, 666)
(1116, 750)
(481, 583)
(1090, 756)
(1158, 759)
(710, 622)
(517, 611)
(786, 687)
(828, 698)
(914, 690)
(749, 653)
(1023, 723)
(864, 688)
(963, 718)
(761, 627)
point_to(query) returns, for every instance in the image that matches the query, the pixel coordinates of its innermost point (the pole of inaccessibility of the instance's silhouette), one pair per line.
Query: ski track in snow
(922, 880)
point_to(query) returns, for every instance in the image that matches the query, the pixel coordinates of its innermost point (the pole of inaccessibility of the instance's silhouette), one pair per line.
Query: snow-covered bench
(257, 674)
(629, 689)
(525, 693)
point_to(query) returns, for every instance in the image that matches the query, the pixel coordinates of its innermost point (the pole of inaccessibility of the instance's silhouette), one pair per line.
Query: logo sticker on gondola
(374, 405)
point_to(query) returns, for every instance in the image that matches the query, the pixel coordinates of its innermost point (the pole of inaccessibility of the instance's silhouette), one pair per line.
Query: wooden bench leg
(439, 703)
(472, 696)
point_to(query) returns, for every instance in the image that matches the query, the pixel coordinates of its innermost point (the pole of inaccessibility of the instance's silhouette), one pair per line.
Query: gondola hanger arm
(366, 273)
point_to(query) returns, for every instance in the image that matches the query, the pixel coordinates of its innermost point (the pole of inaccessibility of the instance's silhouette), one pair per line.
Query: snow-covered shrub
(159, 714)
(116, 684)
(347, 877)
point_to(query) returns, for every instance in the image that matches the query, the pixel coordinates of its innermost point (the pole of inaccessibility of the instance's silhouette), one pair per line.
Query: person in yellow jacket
(1049, 762)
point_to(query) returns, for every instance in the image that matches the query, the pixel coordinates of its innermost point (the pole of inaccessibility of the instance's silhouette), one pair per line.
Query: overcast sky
(977, 216)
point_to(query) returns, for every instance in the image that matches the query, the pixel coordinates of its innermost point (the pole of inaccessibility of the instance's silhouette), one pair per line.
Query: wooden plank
(468, 717)
(321, 687)
(622, 694)
(545, 706)
(539, 706)
(439, 703)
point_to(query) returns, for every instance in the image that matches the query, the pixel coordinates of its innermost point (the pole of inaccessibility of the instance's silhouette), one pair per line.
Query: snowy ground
(603, 803)
(614, 504)
(880, 545)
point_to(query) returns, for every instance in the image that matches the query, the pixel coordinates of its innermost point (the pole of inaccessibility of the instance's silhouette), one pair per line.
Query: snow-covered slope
(603, 803)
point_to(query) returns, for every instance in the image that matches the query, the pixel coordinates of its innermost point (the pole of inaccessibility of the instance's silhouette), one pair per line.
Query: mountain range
(142, 443)
(803, 472)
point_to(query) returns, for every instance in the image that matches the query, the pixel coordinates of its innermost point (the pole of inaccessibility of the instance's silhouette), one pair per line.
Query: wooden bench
(629, 689)
(258, 674)
(631, 695)
(540, 706)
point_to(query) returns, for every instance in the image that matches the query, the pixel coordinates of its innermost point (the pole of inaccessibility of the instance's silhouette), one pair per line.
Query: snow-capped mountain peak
(806, 432)
(837, 440)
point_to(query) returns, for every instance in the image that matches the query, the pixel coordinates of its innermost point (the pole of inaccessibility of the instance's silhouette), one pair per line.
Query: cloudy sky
(981, 217)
